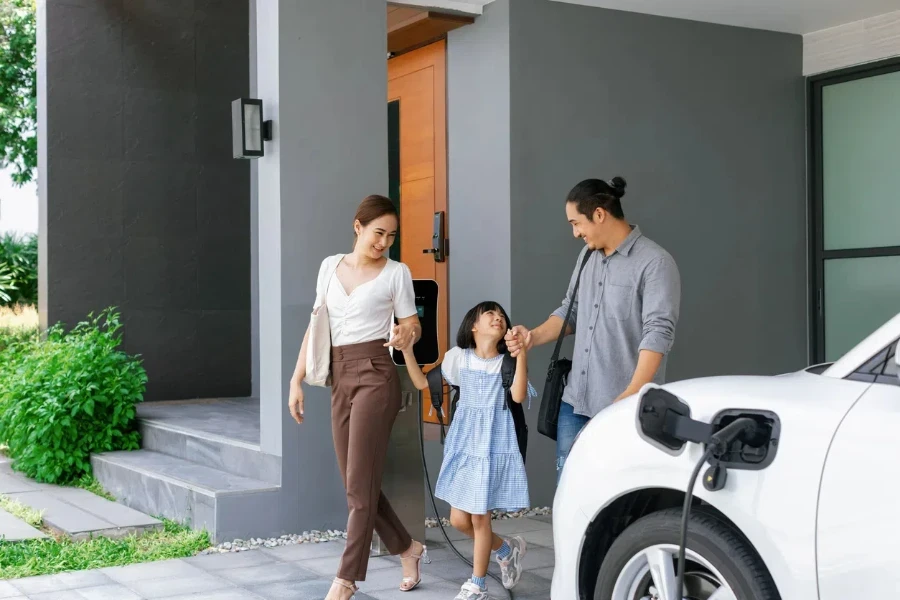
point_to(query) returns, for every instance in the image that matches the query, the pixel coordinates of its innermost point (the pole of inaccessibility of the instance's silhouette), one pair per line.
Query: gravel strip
(320, 537)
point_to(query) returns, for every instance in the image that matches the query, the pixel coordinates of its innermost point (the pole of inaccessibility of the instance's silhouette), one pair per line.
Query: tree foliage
(18, 89)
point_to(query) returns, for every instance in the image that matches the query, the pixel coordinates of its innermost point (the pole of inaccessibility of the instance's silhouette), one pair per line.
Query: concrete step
(182, 490)
(169, 436)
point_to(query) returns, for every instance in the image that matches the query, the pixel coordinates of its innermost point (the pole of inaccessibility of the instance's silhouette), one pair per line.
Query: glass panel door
(855, 216)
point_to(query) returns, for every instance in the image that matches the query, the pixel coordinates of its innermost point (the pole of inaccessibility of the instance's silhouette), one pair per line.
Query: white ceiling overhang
(789, 16)
(469, 7)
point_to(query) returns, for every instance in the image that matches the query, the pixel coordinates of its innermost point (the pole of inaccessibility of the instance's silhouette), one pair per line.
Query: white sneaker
(511, 568)
(470, 591)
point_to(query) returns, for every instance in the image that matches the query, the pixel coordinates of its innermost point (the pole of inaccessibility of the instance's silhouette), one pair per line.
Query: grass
(21, 511)
(45, 557)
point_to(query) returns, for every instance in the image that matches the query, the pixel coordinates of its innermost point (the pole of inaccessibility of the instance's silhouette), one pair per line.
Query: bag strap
(562, 333)
(321, 299)
(508, 373)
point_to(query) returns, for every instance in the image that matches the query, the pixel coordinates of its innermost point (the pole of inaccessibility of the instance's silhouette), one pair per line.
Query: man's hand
(402, 336)
(517, 339)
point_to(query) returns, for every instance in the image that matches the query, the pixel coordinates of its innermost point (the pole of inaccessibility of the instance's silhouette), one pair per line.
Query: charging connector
(718, 444)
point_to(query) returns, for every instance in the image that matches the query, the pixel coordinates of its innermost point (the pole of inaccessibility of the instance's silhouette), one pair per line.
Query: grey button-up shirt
(627, 302)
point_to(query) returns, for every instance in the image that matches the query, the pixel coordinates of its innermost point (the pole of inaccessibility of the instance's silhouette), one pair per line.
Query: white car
(809, 507)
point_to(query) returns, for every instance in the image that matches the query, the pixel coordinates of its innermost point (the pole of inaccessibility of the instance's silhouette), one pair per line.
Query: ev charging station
(403, 481)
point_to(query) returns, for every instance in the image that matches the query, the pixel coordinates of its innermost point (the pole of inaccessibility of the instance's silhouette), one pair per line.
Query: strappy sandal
(407, 584)
(350, 586)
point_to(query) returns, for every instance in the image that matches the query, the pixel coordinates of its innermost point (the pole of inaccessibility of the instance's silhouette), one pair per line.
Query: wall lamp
(248, 130)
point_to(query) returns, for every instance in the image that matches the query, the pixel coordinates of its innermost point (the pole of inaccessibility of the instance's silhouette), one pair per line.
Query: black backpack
(508, 371)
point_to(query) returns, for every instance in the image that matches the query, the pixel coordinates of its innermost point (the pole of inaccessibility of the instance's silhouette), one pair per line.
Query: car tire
(713, 539)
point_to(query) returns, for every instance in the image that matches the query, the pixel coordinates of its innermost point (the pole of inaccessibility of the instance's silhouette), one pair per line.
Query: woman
(363, 291)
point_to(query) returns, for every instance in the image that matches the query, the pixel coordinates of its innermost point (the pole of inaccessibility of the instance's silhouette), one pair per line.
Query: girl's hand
(402, 336)
(295, 402)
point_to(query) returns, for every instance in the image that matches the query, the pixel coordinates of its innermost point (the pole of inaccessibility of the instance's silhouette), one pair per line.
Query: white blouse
(367, 313)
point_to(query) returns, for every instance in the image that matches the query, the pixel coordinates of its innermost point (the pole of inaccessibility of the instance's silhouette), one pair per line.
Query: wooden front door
(417, 95)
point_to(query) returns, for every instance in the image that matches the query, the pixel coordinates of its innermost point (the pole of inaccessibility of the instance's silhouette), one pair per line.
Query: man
(624, 316)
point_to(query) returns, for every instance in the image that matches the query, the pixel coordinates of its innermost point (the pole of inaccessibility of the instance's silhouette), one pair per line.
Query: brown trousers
(365, 400)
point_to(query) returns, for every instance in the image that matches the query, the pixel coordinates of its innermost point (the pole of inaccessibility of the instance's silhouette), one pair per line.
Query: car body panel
(858, 519)
(774, 507)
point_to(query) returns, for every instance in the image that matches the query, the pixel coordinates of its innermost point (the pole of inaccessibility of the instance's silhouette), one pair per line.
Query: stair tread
(200, 477)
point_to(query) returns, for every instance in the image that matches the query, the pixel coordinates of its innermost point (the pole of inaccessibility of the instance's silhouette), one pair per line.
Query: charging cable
(716, 447)
(440, 415)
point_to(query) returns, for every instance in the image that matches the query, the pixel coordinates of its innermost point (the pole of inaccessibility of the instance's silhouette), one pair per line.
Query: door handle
(439, 244)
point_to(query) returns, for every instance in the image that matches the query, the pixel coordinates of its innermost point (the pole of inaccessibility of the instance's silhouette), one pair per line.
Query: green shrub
(67, 396)
(18, 269)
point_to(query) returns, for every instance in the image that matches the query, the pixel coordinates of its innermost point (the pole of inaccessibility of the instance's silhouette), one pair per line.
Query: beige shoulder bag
(318, 345)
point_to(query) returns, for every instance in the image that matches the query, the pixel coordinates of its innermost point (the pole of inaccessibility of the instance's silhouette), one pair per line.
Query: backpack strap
(508, 374)
(436, 390)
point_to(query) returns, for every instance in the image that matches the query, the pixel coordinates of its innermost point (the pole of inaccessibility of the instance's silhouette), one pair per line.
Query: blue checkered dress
(482, 469)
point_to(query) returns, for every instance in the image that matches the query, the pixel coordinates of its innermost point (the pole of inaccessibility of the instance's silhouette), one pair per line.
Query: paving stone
(117, 514)
(12, 482)
(152, 570)
(538, 538)
(546, 573)
(530, 585)
(518, 526)
(434, 535)
(456, 572)
(108, 592)
(387, 579)
(13, 529)
(8, 591)
(303, 551)
(172, 586)
(433, 591)
(61, 595)
(537, 558)
(60, 581)
(270, 573)
(62, 515)
(224, 594)
(303, 590)
(329, 565)
(232, 560)
(543, 518)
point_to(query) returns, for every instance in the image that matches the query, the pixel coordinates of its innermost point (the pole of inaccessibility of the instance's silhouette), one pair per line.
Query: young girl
(482, 469)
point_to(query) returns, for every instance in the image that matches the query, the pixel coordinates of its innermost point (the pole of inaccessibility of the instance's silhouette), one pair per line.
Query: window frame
(873, 370)
(815, 201)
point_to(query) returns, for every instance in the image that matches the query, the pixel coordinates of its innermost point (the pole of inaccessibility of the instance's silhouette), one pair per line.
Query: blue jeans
(567, 427)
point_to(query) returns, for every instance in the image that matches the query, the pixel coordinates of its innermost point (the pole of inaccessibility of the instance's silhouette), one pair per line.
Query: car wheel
(642, 564)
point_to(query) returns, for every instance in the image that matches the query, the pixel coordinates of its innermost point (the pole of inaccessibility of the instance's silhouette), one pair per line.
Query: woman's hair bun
(618, 185)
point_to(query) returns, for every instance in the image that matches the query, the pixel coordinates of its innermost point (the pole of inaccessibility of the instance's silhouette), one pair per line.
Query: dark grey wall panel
(144, 207)
(706, 123)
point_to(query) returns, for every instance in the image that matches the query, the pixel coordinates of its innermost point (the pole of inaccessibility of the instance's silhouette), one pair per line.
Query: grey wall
(142, 205)
(329, 151)
(705, 122)
(478, 143)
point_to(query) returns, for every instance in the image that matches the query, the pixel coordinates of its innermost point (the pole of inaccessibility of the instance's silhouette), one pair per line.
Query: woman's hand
(295, 403)
(403, 336)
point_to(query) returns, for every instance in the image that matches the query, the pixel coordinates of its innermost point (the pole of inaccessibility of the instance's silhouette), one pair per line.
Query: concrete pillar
(321, 73)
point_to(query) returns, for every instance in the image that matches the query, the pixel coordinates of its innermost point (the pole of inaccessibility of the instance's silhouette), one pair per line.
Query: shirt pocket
(618, 300)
